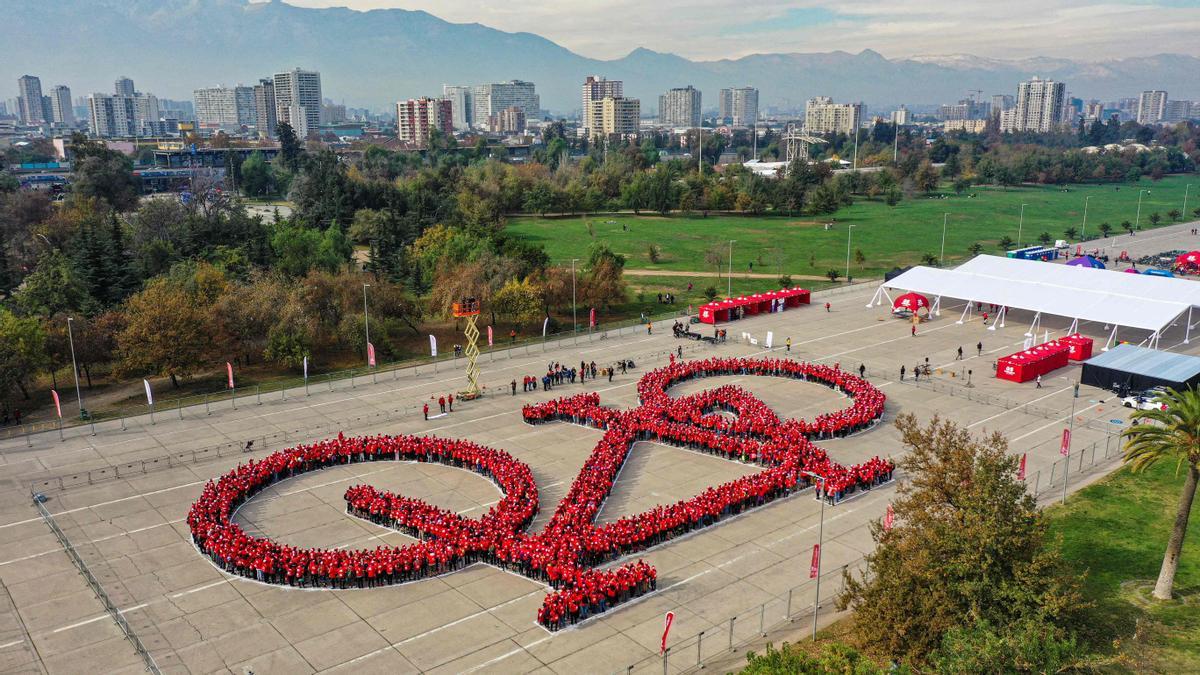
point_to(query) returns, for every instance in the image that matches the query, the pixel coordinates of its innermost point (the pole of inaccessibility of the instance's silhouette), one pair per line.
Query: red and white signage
(57, 403)
(1021, 469)
(489, 336)
(1065, 449)
(229, 372)
(816, 562)
(889, 518)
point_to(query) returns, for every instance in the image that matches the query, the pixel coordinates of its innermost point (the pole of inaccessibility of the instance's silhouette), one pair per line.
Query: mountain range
(371, 59)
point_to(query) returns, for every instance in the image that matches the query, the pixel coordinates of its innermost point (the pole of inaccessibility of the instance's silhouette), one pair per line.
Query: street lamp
(1083, 234)
(1186, 188)
(942, 255)
(1138, 219)
(1021, 226)
(74, 368)
(820, 548)
(366, 321)
(729, 277)
(848, 229)
(574, 323)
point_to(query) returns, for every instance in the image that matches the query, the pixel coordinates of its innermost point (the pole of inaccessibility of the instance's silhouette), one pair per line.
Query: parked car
(1144, 400)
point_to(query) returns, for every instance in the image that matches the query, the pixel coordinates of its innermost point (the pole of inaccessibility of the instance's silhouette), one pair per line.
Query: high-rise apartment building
(264, 107)
(1152, 107)
(509, 121)
(965, 109)
(615, 117)
(597, 88)
(298, 100)
(1040, 106)
(124, 87)
(112, 116)
(491, 99)
(61, 111)
(680, 107)
(1178, 110)
(823, 116)
(739, 106)
(416, 118)
(902, 116)
(462, 103)
(1000, 103)
(225, 107)
(29, 100)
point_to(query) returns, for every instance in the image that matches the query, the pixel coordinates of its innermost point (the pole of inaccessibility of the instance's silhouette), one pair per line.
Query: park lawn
(1116, 531)
(887, 236)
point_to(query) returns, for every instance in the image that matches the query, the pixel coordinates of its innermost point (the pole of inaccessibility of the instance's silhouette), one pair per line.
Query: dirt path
(736, 275)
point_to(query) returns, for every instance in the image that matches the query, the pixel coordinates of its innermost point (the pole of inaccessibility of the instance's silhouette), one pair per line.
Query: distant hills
(171, 47)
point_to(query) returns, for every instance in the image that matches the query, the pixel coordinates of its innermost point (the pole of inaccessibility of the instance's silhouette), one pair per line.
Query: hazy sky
(714, 29)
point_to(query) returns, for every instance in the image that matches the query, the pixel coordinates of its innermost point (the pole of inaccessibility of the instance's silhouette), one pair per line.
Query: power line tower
(796, 144)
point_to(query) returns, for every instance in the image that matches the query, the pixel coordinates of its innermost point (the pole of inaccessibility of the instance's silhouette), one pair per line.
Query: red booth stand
(1027, 365)
(760, 303)
(1080, 346)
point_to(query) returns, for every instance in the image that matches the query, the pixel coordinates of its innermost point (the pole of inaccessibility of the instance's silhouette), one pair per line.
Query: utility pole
(574, 322)
(849, 229)
(896, 144)
(1070, 439)
(1138, 219)
(729, 277)
(942, 256)
(74, 368)
(1083, 234)
(1021, 226)
(366, 319)
(820, 550)
(1186, 188)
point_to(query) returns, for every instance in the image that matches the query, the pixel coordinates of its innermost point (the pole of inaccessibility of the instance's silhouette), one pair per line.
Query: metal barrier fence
(329, 381)
(97, 589)
(265, 441)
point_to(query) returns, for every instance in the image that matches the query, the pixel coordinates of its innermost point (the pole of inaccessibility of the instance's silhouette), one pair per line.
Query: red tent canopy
(911, 301)
(1189, 259)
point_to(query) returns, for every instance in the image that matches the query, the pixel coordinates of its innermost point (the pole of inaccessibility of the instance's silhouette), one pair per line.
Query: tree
(300, 249)
(257, 178)
(165, 333)
(835, 657)
(833, 274)
(103, 174)
(22, 352)
(961, 184)
(785, 281)
(929, 259)
(53, 288)
(926, 178)
(1127, 226)
(1155, 218)
(1174, 215)
(859, 257)
(1023, 647)
(975, 248)
(1045, 238)
(1006, 242)
(519, 301)
(710, 293)
(969, 545)
(290, 148)
(540, 198)
(1105, 229)
(1070, 233)
(603, 283)
(1158, 434)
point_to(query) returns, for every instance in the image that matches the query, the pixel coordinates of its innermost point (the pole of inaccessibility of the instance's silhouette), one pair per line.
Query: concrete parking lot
(191, 617)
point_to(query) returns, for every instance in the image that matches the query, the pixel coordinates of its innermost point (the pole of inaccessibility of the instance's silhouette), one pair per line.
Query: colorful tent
(1130, 270)
(1087, 261)
(1188, 259)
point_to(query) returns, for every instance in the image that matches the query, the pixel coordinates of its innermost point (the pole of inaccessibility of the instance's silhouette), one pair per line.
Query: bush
(835, 657)
(785, 281)
(833, 274)
(710, 293)
(1029, 646)
(653, 253)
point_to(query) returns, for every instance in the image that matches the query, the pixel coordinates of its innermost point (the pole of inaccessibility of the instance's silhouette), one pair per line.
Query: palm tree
(1175, 431)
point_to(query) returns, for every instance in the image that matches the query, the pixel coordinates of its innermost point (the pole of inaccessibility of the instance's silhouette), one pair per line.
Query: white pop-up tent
(1145, 302)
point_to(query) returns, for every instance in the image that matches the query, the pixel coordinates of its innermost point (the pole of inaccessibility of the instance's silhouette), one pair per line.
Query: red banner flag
(592, 318)
(816, 562)
(370, 355)
(889, 518)
(489, 336)
(229, 371)
(57, 403)
(1065, 449)
(1021, 468)
(667, 621)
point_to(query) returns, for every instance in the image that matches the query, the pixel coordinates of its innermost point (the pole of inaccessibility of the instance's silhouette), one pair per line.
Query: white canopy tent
(1113, 298)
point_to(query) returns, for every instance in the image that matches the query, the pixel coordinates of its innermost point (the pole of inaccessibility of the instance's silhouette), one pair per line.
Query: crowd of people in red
(565, 554)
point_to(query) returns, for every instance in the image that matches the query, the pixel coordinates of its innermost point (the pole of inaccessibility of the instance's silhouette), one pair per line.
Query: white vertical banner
(370, 355)
(489, 336)
(149, 393)
(306, 367)
(770, 339)
(433, 345)
(545, 326)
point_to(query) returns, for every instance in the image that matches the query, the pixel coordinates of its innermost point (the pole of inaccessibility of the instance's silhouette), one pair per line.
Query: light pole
(1138, 218)
(729, 277)
(1070, 439)
(700, 149)
(896, 144)
(820, 549)
(574, 323)
(1021, 226)
(1186, 188)
(1083, 234)
(74, 368)
(848, 229)
(942, 255)
(857, 125)
(366, 321)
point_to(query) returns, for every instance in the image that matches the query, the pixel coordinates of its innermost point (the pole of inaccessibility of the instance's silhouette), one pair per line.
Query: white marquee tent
(1113, 298)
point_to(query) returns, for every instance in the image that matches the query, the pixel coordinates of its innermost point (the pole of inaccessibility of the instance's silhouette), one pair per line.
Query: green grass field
(888, 236)
(1116, 532)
